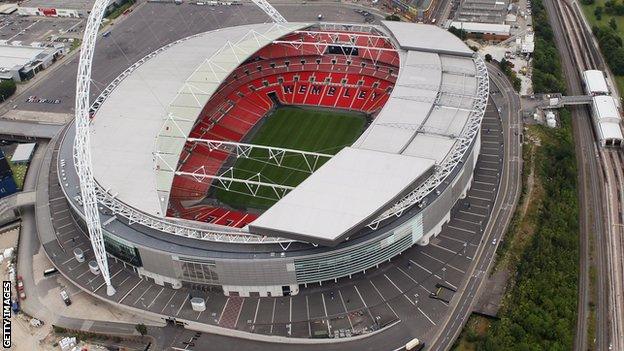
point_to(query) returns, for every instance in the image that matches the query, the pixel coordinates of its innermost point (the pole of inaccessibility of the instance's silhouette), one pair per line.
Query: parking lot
(151, 26)
(415, 287)
(44, 30)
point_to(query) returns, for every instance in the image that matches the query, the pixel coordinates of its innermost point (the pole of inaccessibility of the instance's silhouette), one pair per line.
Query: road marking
(486, 183)
(443, 248)
(131, 290)
(308, 313)
(424, 314)
(467, 221)
(384, 299)
(169, 301)
(472, 213)
(399, 289)
(455, 239)
(325, 310)
(479, 198)
(421, 267)
(154, 300)
(444, 263)
(346, 311)
(239, 312)
(104, 283)
(290, 309)
(462, 229)
(256, 314)
(182, 305)
(223, 310)
(272, 316)
(147, 288)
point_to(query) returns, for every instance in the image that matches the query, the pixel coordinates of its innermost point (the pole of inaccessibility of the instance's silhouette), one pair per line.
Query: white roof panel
(356, 185)
(23, 152)
(428, 38)
(123, 159)
(606, 109)
(430, 146)
(595, 82)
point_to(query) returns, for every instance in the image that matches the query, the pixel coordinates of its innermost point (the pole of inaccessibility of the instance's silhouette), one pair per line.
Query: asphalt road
(508, 103)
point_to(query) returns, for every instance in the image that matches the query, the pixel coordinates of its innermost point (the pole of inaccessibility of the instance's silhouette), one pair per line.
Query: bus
(48, 272)
(414, 345)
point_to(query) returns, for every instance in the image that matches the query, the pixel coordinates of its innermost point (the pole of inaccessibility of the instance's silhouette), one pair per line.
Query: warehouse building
(60, 8)
(486, 31)
(20, 63)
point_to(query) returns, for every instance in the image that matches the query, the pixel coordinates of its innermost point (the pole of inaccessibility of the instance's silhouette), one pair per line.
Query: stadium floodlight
(270, 11)
(82, 149)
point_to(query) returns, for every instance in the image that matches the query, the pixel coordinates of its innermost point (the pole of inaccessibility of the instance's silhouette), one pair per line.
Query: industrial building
(485, 31)
(20, 63)
(60, 8)
(482, 11)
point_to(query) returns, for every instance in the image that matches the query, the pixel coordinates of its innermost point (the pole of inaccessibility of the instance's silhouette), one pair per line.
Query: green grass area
(118, 11)
(19, 173)
(540, 304)
(588, 10)
(291, 128)
(604, 21)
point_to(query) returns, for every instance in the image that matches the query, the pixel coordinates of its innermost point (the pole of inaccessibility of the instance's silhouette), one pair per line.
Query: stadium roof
(170, 88)
(420, 124)
(424, 122)
(428, 38)
(340, 197)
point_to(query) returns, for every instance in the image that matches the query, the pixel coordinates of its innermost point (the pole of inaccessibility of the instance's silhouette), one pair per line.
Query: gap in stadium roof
(277, 118)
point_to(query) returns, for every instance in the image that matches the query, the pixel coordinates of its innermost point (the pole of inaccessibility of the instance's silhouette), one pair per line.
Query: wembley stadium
(264, 157)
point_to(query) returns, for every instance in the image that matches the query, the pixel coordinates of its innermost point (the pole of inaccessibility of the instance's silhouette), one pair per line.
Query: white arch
(82, 143)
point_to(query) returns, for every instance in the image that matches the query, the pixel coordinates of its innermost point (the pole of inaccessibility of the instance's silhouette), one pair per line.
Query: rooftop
(18, 56)
(427, 118)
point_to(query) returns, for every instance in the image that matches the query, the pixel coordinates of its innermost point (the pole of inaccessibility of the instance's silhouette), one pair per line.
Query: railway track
(609, 243)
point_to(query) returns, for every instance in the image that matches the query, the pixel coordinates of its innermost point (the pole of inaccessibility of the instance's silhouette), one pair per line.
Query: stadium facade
(166, 130)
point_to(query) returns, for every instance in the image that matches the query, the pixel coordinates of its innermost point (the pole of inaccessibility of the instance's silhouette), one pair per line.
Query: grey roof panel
(428, 38)
(356, 184)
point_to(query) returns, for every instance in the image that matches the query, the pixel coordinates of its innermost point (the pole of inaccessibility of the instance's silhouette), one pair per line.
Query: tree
(393, 17)
(460, 33)
(598, 13)
(141, 328)
(7, 88)
(488, 57)
(613, 23)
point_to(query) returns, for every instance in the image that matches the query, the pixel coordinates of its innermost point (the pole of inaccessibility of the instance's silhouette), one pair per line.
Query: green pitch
(291, 128)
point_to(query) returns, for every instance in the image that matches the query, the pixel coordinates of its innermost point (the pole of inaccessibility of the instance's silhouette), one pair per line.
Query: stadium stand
(329, 70)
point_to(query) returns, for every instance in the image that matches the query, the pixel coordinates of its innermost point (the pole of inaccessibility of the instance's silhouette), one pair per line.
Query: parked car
(20, 288)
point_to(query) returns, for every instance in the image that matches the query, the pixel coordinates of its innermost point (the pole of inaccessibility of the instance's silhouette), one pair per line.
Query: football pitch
(295, 128)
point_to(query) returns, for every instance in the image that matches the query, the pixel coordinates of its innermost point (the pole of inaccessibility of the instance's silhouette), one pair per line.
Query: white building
(595, 83)
(59, 8)
(489, 31)
(606, 118)
(23, 62)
